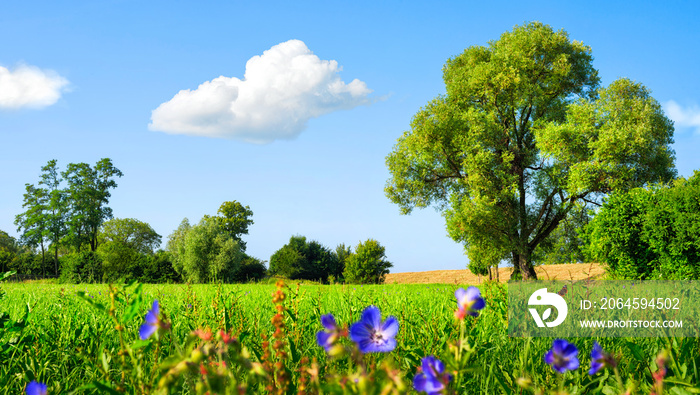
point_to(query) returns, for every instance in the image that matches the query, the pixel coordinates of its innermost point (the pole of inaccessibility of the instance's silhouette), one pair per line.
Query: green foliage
(125, 248)
(566, 243)
(205, 252)
(8, 250)
(81, 267)
(56, 208)
(235, 220)
(522, 137)
(251, 270)
(160, 270)
(367, 265)
(88, 194)
(650, 233)
(302, 260)
(33, 222)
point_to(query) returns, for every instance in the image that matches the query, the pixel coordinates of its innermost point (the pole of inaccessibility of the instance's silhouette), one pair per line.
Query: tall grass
(69, 338)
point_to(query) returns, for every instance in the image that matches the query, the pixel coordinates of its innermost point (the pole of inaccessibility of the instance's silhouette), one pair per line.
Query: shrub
(82, 267)
(650, 233)
(302, 260)
(368, 265)
(251, 269)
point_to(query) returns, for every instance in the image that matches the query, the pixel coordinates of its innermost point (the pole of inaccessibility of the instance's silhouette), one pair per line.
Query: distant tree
(88, 195)
(56, 208)
(176, 245)
(136, 234)
(160, 270)
(81, 267)
(368, 264)
(523, 136)
(33, 222)
(204, 252)
(235, 220)
(8, 251)
(289, 260)
(300, 259)
(125, 247)
(341, 254)
(252, 269)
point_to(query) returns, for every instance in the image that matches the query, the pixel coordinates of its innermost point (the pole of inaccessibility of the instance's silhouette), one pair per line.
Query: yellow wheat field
(573, 271)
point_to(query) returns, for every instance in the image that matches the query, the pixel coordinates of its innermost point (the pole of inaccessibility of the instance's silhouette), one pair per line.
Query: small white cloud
(29, 87)
(684, 117)
(282, 89)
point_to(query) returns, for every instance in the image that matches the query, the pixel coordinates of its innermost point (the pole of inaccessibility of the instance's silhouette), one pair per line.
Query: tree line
(68, 231)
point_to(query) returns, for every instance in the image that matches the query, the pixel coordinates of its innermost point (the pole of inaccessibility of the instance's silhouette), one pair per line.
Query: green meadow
(66, 338)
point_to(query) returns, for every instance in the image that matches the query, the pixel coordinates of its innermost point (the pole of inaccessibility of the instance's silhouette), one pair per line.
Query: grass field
(70, 341)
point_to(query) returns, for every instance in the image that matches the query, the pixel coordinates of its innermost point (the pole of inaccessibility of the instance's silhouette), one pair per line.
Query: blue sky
(313, 119)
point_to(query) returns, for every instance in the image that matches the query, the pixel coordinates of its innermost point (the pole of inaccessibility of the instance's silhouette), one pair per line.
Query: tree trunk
(43, 259)
(526, 268)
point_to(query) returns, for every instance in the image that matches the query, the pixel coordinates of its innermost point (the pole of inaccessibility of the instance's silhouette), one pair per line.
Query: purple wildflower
(327, 338)
(431, 379)
(469, 302)
(35, 388)
(372, 335)
(151, 325)
(600, 359)
(562, 356)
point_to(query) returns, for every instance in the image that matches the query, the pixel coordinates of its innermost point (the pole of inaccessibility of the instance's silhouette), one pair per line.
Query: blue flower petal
(35, 388)
(328, 322)
(479, 304)
(425, 383)
(390, 327)
(323, 339)
(461, 296)
(360, 331)
(372, 317)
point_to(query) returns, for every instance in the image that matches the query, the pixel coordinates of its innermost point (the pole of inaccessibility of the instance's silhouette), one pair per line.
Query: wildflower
(152, 323)
(562, 356)
(600, 359)
(327, 338)
(35, 388)
(371, 335)
(469, 302)
(431, 379)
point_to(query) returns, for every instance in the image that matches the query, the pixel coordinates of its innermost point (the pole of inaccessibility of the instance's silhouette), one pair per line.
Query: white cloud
(684, 117)
(282, 89)
(29, 86)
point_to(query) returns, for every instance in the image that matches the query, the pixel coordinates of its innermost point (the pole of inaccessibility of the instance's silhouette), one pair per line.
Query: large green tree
(523, 135)
(88, 193)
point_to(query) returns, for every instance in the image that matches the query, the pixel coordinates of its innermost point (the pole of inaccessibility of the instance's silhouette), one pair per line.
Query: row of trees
(309, 260)
(67, 209)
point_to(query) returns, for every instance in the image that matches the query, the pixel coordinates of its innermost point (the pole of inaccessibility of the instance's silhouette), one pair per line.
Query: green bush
(251, 269)
(368, 265)
(650, 233)
(82, 267)
(302, 260)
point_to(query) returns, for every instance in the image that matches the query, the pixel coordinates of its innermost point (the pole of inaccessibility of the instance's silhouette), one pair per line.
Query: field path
(574, 271)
